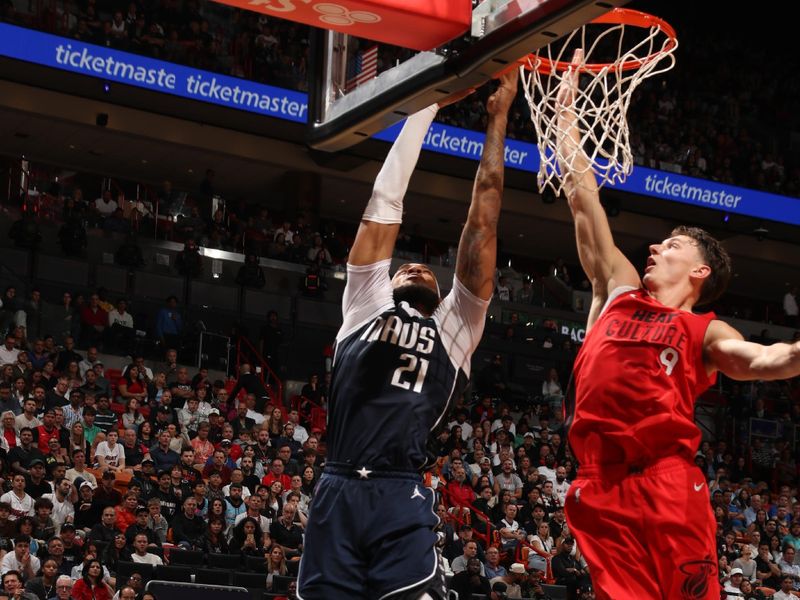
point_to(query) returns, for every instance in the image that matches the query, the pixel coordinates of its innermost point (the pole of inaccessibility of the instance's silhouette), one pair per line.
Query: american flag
(366, 68)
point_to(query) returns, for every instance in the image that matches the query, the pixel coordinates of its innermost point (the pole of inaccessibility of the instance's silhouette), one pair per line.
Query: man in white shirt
(105, 205)
(732, 586)
(79, 468)
(120, 324)
(20, 502)
(109, 454)
(461, 421)
(140, 553)
(561, 486)
(21, 559)
(8, 353)
(788, 566)
(88, 362)
(300, 432)
(785, 593)
(63, 509)
(548, 470)
(252, 413)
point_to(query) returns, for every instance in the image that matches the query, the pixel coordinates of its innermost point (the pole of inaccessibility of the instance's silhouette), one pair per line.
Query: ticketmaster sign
(231, 92)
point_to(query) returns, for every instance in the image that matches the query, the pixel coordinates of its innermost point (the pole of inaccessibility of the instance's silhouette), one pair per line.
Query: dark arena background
(176, 216)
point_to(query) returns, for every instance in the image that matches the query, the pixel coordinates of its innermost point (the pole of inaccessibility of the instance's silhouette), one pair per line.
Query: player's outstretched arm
(380, 223)
(728, 352)
(477, 250)
(604, 264)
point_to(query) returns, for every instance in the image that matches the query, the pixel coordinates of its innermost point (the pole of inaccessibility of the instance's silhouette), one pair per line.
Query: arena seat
(174, 573)
(556, 592)
(179, 556)
(281, 583)
(224, 561)
(212, 576)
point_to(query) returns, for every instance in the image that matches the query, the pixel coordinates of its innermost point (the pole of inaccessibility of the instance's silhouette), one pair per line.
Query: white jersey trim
(616, 293)
(367, 294)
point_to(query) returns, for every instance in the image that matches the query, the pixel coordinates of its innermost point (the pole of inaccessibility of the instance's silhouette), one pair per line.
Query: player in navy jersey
(402, 355)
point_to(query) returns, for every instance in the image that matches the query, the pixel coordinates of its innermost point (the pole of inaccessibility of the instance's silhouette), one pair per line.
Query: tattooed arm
(477, 250)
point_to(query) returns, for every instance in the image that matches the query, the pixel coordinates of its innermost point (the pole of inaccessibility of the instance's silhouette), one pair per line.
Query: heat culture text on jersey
(648, 326)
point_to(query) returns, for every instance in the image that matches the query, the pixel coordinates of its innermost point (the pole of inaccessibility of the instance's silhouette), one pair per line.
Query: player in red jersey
(639, 508)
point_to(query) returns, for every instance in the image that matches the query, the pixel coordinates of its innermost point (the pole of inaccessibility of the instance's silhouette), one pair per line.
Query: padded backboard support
(502, 32)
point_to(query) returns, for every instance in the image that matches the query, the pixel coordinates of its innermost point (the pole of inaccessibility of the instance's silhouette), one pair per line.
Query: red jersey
(636, 380)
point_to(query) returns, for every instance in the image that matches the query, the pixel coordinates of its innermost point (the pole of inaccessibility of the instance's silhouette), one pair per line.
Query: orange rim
(617, 16)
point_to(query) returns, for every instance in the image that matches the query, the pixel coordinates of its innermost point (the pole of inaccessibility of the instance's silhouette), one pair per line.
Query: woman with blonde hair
(276, 563)
(8, 432)
(77, 439)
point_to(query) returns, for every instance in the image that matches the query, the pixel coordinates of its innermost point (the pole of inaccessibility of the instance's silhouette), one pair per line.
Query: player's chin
(417, 294)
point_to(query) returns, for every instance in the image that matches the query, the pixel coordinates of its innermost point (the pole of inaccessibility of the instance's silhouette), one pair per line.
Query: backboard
(359, 87)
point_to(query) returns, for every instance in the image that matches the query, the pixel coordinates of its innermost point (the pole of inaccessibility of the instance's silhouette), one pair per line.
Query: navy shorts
(370, 539)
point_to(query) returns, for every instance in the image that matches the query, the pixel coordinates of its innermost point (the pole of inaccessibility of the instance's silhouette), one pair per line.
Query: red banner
(416, 24)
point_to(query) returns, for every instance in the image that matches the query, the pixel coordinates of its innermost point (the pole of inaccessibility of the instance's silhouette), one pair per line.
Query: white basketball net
(601, 100)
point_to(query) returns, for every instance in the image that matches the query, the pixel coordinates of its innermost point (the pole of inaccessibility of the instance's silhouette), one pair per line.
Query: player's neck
(679, 297)
(420, 308)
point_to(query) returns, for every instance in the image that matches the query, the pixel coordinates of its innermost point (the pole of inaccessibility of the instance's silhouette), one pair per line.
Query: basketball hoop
(622, 48)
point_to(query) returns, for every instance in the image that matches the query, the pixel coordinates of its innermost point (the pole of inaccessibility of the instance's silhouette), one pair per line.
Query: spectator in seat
(140, 553)
(92, 586)
(785, 593)
(767, 570)
(188, 529)
(286, 532)
(492, 567)
(250, 273)
(20, 560)
(94, 321)
(470, 581)
(567, 570)
(121, 332)
(13, 587)
(248, 537)
(459, 563)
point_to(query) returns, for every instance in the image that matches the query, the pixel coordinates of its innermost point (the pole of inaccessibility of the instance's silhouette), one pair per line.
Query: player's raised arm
(381, 220)
(726, 351)
(604, 264)
(477, 250)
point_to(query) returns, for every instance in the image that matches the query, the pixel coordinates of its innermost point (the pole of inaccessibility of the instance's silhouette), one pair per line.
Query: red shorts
(647, 534)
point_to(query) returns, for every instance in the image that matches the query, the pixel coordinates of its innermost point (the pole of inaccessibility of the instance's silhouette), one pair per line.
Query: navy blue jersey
(396, 371)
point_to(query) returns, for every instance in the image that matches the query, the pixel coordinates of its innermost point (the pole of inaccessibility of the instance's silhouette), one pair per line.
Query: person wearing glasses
(63, 588)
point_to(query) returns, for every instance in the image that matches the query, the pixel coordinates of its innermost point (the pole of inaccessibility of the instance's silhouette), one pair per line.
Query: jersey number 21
(404, 375)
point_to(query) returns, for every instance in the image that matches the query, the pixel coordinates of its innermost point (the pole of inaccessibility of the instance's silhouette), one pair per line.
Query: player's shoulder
(718, 331)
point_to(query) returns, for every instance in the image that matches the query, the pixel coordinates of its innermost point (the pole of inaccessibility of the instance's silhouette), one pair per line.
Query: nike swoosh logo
(698, 486)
